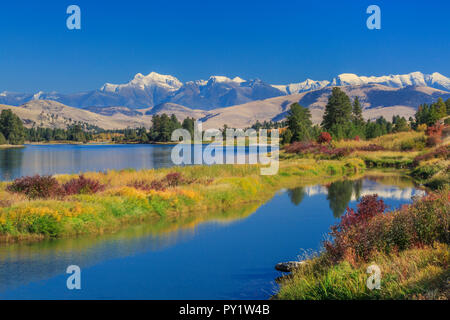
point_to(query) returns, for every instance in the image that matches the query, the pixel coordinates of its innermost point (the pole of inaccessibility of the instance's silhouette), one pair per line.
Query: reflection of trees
(10, 161)
(296, 195)
(339, 195)
(357, 188)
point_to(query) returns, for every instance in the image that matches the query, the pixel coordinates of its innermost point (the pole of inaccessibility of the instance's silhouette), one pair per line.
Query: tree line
(343, 120)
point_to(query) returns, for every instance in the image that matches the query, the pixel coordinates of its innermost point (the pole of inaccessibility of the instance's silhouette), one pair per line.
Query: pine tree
(441, 107)
(358, 119)
(12, 127)
(299, 122)
(338, 111)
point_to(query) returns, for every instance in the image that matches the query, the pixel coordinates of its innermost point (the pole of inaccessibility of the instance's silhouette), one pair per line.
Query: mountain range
(219, 100)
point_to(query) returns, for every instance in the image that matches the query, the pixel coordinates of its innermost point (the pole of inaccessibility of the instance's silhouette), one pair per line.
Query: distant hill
(53, 114)
(377, 100)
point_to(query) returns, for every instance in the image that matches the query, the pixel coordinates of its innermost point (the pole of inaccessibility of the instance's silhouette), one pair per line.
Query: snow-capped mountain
(150, 81)
(220, 91)
(434, 80)
(306, 85)
(145, 91)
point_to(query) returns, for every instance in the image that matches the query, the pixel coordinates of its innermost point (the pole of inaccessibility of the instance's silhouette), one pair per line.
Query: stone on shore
(288, 266)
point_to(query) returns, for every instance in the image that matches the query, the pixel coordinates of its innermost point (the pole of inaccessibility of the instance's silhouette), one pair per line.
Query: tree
(441, 108)
(2, 139)
(188, 124)
(338, 111)
(400, 124)
(299, 122)
(358, 119)
(12, 127)
(286, 136)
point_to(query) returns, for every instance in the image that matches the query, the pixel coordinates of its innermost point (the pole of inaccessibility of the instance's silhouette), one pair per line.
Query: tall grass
(128, 196)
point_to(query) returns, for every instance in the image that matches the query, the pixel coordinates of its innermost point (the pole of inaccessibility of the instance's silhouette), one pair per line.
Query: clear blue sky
(277, 41)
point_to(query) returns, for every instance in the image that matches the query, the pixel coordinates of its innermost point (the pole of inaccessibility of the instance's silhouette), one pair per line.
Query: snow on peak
(141, 81)
(223, 79)
(37, 95)
(306, 85)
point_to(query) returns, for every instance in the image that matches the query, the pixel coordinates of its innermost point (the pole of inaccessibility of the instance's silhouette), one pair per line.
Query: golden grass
(207, 188)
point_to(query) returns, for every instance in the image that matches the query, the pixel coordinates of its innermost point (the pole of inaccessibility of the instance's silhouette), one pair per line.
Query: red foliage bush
(433, 141)
(435, 130)
(82, 185)
(36, 187)
(173, 179)
(361, 234)
(434, 134)
(357, 138)
(368, 207)
(324, 151)
(324, 137)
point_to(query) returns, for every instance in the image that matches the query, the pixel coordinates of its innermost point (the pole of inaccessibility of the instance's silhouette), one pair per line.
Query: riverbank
(129, 196)
(7, 146)
(409, 247)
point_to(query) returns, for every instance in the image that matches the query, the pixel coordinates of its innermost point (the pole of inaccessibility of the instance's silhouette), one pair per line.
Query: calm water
(58, 159)
(223, 255)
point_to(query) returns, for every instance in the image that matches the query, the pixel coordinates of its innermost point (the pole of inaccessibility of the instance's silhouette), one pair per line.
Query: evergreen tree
(441, 108)
(2, 139)
(299, 122)
(11, 127)
(358, 119)
(338, 111)
(188, 124)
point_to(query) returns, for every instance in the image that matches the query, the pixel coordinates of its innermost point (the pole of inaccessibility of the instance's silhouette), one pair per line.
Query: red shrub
(361, 234)
(36, 187)
(433, 140)
(357, 138)
(173, 179)
(82, 185)
(368, 207)
(324, 137)
(435, 130)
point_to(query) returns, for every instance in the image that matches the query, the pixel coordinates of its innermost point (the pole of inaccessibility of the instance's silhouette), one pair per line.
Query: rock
(288, 266)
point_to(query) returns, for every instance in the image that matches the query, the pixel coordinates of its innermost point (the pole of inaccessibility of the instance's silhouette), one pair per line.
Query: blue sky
(277, 41)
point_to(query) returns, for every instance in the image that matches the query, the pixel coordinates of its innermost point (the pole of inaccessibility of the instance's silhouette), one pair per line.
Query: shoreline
(218, 187)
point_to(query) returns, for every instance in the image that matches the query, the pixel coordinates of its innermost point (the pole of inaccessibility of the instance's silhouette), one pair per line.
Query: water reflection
(10, 163)
(296, 195)
(340, 193)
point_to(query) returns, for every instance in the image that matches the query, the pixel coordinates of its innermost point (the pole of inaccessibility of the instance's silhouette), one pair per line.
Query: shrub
(370, 147)
(433, 141)
(435, 130)
(82, 185)
(362, 234)
(173, 179)
(324, 137)
(422, 127)
(36, 187)
(441, 152)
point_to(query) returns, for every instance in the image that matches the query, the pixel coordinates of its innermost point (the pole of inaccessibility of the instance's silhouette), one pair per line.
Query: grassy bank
(410, 246)
(130, 196)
